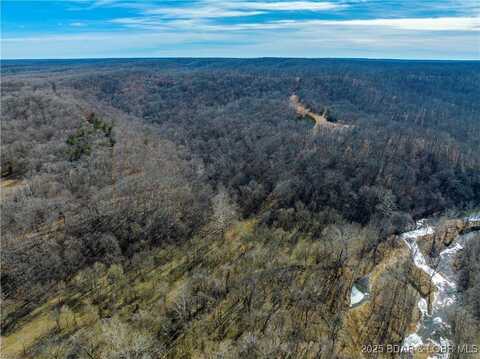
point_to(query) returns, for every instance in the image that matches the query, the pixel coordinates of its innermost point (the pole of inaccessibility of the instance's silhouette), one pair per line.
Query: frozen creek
(433, 328)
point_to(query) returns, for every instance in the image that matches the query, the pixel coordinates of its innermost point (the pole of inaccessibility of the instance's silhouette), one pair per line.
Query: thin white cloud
(58, 38)
(420, 24)
(287, 5)
(202, 12)
(77, 24)
(414, 24)
(217, 9)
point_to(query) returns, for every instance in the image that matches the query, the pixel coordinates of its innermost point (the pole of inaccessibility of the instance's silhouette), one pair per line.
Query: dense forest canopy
(113, 158)
(416, 125)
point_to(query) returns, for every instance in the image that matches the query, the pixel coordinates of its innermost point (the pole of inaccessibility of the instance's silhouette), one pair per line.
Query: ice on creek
(451, 250)
(423, 306)
(419, 232)
(412, 341)
(356, 296)
(419, 260)
(474, 218)
(432, 327)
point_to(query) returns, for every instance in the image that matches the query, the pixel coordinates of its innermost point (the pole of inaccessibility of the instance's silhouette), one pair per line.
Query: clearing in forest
(319, 120)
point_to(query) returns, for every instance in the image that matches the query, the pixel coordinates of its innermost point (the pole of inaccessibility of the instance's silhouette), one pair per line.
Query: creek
(433, 328)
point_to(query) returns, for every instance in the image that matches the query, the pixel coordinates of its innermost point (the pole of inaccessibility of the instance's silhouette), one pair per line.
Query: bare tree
(224, 211)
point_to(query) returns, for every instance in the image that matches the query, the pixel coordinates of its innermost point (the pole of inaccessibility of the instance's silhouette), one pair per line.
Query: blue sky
(408, 29)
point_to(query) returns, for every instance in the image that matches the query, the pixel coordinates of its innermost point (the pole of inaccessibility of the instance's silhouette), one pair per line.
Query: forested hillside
(182, 208)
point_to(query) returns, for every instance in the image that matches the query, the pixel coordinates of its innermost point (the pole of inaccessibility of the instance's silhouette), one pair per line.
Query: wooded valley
(182, 208)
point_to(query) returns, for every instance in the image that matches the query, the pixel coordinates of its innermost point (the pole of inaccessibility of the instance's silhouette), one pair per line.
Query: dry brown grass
(8, 187)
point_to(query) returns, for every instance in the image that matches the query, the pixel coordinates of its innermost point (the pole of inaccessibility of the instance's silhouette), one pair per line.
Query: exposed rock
(446, 232)
(391, 310)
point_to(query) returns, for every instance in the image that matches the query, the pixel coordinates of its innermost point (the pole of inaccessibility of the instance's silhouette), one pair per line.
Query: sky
(405, 29)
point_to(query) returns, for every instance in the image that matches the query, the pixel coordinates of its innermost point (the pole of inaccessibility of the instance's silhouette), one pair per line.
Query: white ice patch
(423, 306)
(474, 218)
(356, 296)
(412, 341)
(451, 250)
(420, 232)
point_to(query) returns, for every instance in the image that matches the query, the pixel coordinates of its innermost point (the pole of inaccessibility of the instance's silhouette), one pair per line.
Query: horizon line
(240, 58)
